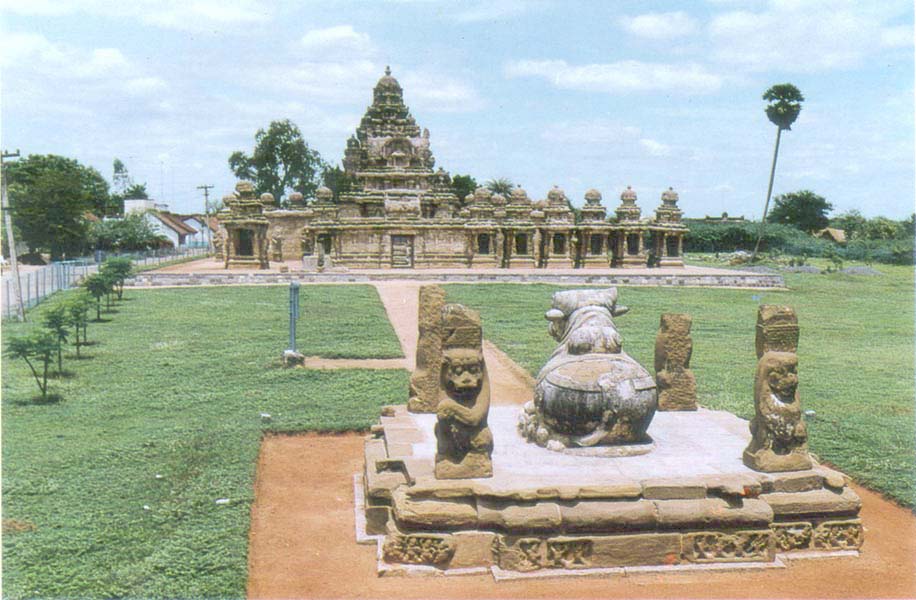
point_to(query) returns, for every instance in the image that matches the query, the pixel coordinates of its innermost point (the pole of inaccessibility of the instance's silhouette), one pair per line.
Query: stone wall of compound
(738, 280)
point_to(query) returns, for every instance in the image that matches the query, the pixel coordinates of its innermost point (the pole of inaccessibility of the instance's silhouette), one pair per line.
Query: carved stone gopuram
(464, 442)
(424, 381)
(590, 392)
(677, 386)
(779, 439)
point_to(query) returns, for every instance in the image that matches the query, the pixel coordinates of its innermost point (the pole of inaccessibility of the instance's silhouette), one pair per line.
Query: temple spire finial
(387, 70)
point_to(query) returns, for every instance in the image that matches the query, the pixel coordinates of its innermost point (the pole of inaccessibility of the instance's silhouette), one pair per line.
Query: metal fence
(38, 284)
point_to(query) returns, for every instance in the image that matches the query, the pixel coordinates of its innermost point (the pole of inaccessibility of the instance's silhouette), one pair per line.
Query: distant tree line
(59, 206)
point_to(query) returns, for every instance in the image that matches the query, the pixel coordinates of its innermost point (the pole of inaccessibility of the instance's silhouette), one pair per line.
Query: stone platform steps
(715, 278)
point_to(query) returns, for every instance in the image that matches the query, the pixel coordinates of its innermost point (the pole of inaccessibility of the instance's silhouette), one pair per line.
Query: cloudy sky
(543, 92)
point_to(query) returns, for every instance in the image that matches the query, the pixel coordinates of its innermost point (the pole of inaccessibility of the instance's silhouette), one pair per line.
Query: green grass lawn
(856, 356)
(114, 489)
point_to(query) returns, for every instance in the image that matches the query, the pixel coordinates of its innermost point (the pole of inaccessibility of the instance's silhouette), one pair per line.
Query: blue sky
(576, 94)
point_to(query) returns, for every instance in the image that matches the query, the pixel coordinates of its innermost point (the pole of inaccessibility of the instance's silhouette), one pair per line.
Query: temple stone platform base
(689, 503)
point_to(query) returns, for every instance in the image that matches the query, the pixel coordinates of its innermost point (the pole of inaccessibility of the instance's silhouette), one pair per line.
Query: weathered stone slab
(832, 479)
(418, 548)
(792, 536)
(839, 535)
(631, 489)
(440, 515)
(793, 481)
(499, 516)
(712, 512)
(673, 489)
(525, 554)
(472, 549)
(596, 516)
(732, 487)
(424, 381)
(728, 546)
(815, 502)
(677, 386)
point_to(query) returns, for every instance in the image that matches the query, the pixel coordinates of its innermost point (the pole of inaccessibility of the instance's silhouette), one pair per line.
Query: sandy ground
(302, 542)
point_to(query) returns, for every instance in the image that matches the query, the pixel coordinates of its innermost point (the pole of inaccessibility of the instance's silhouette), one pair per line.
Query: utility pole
(10, 240)
(206, 189)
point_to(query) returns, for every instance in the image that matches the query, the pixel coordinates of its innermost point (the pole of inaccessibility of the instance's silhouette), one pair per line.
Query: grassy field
(113, 491)
(856, 356)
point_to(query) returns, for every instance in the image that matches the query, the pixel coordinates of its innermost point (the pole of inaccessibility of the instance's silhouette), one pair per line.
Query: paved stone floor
(687, 444)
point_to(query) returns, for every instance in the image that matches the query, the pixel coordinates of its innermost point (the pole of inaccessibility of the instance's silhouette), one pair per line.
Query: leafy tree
(133, 232)
(37, 345)
(77, 306)
(850, 221)
(882, 228)
(56, 319)
(123, 188)
(462, 185)
(97, 285)
(120, 178)
(783, 108)
(500, 186)
(137, 191)
(117, 270)
(805, 210)
(281, 162)
(49, 196)
(909, 226)
(337, 180)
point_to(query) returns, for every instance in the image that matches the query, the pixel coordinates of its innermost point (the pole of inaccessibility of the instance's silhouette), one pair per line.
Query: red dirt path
(302, 545)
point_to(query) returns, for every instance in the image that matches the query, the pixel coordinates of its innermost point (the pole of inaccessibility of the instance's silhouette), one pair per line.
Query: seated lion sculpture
(779, 436)
(464, 441)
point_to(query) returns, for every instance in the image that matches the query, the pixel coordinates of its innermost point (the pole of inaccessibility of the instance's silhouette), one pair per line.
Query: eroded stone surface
(779, 435)
(547, 510)
(464, 441)
(424, 381)
(677, 386)
(590, 392)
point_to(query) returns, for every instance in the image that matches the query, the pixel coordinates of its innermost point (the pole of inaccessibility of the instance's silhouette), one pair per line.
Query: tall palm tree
(783, 108)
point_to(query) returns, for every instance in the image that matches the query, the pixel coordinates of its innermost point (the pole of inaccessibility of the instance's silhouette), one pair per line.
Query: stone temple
(401, 212)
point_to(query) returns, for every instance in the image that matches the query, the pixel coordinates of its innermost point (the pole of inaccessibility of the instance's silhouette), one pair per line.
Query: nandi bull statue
(590, 392)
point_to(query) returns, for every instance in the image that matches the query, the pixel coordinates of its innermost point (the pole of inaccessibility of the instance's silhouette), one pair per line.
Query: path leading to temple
(302, 543)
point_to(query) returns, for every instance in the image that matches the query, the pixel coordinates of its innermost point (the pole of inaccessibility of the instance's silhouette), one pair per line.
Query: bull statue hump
(590, 392)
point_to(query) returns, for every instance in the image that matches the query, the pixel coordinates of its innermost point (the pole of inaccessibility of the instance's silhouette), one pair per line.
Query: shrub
(783, 239)
(117, 270)
(36, 345)
(55, 318)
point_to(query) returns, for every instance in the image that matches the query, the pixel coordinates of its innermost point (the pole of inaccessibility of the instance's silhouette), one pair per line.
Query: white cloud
(439, 93)
(319, 81)
(141, 86)
(600, 132)
(491, 10)
(187, 15)
(660, 26)
(341, 40)
(654, 148)
(619, 77)
(804, 36)
(899, 36)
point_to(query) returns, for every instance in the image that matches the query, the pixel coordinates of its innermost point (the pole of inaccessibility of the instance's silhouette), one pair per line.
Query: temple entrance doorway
(402, 251)
(245, 244)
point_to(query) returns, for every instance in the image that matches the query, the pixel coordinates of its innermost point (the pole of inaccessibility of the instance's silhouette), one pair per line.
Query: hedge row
(731, 237)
